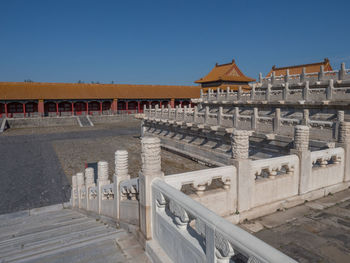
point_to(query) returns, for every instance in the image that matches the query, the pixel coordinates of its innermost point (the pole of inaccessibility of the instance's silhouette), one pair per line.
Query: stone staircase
(84, 121)
(64, 235)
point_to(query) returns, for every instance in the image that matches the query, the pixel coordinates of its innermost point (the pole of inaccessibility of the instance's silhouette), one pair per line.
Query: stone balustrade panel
(275, 179)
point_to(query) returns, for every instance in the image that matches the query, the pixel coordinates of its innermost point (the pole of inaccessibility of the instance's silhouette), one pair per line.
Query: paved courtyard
(37, 163)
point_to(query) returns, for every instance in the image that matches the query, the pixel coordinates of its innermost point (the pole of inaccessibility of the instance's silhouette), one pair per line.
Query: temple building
(32, 99)
(298, 69)
(223, 76)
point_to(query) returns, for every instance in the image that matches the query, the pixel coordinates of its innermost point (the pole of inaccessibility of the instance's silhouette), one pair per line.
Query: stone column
(344, 141)
(102, 173)
(301, 148)
(89, 182)
(80, 186)
(121, 173)
(277, 120)
(240, 155)
(151, 169)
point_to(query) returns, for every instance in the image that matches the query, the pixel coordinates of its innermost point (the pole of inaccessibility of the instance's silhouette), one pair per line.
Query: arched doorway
(31, 108)
(79, 107)
(65, 108)
(94, 107)
(14, 109)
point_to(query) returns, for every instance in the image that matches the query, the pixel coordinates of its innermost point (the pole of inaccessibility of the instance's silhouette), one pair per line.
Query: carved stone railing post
(206, 115)
(176, 113)
(89, 182)
(236, 117)
(227, 93)
(273, 77)
(277, 120)
(306, 91)
(301, 148)
(286, 92)
(195, 114)
(254, 119)
(344, 141)
(342, 72)
(74, 192)
(321, 73)
(240, 155)
(145, 109)
(151, 169)
(219, 116)
(252, 92)
(80, 186)
(306, 117)
(201, 93)
(162, 112)
(169, 112)
(102, 173)
(239, 93)
(286, 77)
(260, 78)
(302, 75)
(121, 173)
(330, 88)
(268, 92)
(209, 94)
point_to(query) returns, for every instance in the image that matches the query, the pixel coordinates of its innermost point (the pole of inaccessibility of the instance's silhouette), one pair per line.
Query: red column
(87, 108)
(114, 105)
(57, 109)
(41, 108)
(24, 109)
(6, 109)
(100, 107)
(149, 104)
(72, 108)
(138, 107)
(181, 103)
(160, 104)
(172, 103)
(126, 107)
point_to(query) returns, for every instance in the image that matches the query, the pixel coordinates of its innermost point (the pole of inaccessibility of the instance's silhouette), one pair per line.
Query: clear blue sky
(165, 42)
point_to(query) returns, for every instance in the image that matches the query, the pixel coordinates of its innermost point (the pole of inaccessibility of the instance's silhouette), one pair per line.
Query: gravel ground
(37, 163)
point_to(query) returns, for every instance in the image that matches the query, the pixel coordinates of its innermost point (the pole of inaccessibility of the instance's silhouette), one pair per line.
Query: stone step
(46, 236)
(62, 245)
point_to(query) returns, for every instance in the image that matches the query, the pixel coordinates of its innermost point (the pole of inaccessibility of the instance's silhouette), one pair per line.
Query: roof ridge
(325, 61)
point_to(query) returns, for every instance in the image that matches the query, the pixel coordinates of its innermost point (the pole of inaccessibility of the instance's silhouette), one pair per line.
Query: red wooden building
(18, 99)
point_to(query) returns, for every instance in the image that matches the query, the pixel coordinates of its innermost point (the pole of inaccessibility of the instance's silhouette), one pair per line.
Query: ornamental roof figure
(225, 75)
(297, 69)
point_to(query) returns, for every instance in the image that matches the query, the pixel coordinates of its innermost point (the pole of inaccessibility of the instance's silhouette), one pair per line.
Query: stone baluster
(169, 112)
(74, 192)
(321, 73)
(206, 115)
(218, 94)
(121, 173)
(277, 120)
(306, 91)
(89, 182)
(102, 173)
(156, 111)
(184, 113)
(260, 78)
(268, 92)
(240, 159)
(209, 94)
(151, 169)
(227, 93)
(236, 117)
(344, 141)
(80, 186)
(303, 75)
(201, 93)
(176, 112)
(340, 116)
(286, 91)
(306, 117)
(286, 77)
(252, 92)
(219, 116)
(239, 93)
(273, 77)
(330, 88)
(162, 112)
(195, 114)
(254, 118)
(145, 109)
(342, 72)
(301, 148)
